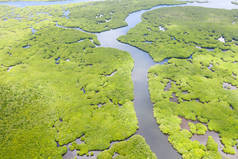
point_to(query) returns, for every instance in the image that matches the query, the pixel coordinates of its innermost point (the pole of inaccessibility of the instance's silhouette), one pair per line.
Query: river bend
(148, 127)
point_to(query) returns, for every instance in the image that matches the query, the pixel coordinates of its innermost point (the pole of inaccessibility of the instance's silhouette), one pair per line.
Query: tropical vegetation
(199, 82)
(57, 85)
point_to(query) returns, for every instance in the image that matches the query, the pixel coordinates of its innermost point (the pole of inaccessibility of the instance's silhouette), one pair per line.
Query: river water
(148, 127)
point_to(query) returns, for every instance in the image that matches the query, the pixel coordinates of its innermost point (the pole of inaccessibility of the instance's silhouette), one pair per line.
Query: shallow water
(203, 140)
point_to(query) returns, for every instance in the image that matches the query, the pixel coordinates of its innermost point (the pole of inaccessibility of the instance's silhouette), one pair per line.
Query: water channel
(148, 127)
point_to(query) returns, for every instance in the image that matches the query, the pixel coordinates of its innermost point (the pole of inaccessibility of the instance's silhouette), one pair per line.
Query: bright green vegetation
(198, 128)
(134, 148)
(211, 144)
(56, 86)
(16, 23)
(216, 106)
(182, 31)
(102, 16)
(204, 88)
(63, 112)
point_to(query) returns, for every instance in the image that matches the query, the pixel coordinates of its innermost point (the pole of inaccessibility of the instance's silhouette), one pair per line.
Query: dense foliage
(57, 85)
(182, 31)
(202, 88)
(82, 99)
(133, 148)
(104, 15)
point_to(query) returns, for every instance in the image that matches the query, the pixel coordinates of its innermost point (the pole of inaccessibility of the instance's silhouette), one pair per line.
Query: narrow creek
(148, 127)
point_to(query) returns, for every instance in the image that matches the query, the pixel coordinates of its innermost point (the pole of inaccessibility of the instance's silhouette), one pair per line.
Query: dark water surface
(148, 127)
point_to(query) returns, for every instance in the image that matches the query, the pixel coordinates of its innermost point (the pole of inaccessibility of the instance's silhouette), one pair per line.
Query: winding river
(148, 127)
